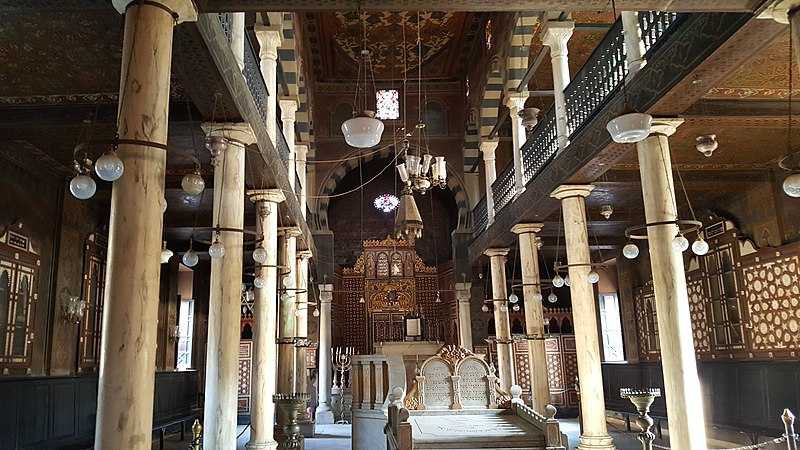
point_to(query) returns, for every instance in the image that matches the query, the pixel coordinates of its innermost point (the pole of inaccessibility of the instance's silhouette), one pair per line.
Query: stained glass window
(388, 104)
(386, 202)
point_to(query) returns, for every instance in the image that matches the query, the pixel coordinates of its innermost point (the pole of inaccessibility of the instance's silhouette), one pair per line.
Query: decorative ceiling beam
(470, 5)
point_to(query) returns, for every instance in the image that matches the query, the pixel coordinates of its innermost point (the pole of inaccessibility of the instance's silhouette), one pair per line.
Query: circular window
(386, 202)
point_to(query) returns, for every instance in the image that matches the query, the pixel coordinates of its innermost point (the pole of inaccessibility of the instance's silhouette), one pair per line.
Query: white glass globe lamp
(82, 187)
(593, 277)
(315, 313)
(363, 131)
(190, 258)
(630, 128)
(193, 183)
(680, 243)
(567, 281)
(513, 298)
(259, 282)
(217, 250)
(260, 255)
(558, 281)
(109, 167)
(630, 250)
(791, 185)
(166, 253)
(552, 298)
(700, 246)
(516, 308)
(485, 308)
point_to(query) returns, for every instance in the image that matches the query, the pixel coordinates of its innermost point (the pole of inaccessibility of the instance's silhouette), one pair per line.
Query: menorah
(342, 399)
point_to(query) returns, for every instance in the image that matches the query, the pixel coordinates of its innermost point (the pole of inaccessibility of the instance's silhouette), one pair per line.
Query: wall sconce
(71, 307)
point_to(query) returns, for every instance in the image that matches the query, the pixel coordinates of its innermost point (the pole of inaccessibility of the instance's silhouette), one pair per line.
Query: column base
(324, 415)
(596, 443)
(271, 445)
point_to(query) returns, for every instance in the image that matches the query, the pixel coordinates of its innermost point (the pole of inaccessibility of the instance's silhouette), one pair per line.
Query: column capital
(269, 39)
(556, 34)
(524, 228)
(665, 125)
(572, 190)
(463, 292)
(779, 11)
(304, 255)
(488, 148)
(240, 133)
(492, 252)
(515, 101)
(266, 195)
(182, 10)
(288, 108)
(290, 231)
(325, 293)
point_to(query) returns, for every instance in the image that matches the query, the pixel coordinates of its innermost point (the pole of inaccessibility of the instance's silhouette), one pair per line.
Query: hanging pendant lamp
(363, 130)
(408, 222)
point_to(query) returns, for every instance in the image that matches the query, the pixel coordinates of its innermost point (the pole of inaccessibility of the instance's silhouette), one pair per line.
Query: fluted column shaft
(324, 413)
(287, 380)
(584, 311)
(269, 39)
(490, 174)
(265, 315)
(463, 296)
(222, 364)
(681, 382)
(556, 36)
(534, 314)
(502, 326)
(128, 346)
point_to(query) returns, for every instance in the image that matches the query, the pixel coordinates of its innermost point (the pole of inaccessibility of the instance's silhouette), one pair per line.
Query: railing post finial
(788, 424)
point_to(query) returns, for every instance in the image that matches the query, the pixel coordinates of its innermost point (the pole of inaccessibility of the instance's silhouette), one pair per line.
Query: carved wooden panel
(93, 290)
(773, 296)
(19, 279)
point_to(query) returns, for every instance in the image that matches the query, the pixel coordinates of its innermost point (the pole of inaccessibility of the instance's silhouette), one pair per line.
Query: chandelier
(363, 130)
(408, 222)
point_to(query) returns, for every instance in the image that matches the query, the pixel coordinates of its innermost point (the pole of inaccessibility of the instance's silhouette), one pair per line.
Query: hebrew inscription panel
(438, 390)
(474, 385)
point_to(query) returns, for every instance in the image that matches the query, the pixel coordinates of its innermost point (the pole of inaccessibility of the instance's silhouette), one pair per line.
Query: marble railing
(548, 425)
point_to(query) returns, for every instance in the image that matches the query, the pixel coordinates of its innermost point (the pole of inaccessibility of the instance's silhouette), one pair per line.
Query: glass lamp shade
(193, 184)
(217, 250)
(441, 169)
(82, 187)
(503, 308)
(630, 250)
(515, 308)
(412, 164)
(558, 281)
(791, 185)
(216, 145)
(435, 171)
(401, 170)
(190, 258)
(485, 308)
(567, 281)
(109, 167)
(680, 243)
(166, 253)
(315, 313)
(513, 298)
(362, 131)
(552, 298)
(593, 277)
(298, 312)
(700, 246)
(426, 163)
(260, 255)
(259, 282)
(630, 128)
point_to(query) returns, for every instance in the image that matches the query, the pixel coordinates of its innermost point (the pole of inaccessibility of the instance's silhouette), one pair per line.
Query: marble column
(681, 383)
(463, 291)
(472, 187)
(634, 46)
(269, 39)
(556, 36)
(287, 381)
(324, 412)
(265, 315)
(300, 166)
(534, 314)
(288, 112)
(222, 363)
(584, 311)
(516, 103)
(488, 148)
(502, 326)
(237, 38)
(128, 348)
(301, 314)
